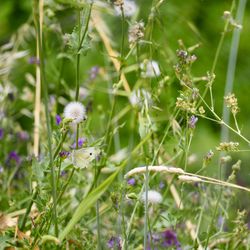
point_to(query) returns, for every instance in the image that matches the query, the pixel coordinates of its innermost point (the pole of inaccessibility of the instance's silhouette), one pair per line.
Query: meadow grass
(100, 115)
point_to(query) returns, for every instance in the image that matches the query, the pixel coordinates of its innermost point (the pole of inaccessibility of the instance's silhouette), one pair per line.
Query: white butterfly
(82, 158)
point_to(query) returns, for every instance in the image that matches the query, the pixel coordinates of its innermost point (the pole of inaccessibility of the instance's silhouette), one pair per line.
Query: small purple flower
(34, 60)
(161, 185)
(170, 239)
(93, 73)
(13, 157)
(23, 135)
(63, 173)
(1, 133)
(64, 154)
(220, 221)
(115, 242)
(81, 141)
(131, 181)
(1, 169)
(58, 120)
(192, 121)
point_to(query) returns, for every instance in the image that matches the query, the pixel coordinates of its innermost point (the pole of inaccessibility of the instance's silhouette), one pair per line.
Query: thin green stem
(146, 210)
(28, 210)
(215, 61)
(47, 113)
(66, 185)
(231, 68)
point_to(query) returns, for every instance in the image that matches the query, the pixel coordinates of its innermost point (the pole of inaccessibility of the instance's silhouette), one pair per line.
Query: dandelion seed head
(75, 111)
(129, 8)
(154, 197)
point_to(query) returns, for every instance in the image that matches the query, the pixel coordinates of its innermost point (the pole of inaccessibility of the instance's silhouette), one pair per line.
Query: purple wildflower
(13, 157)
(81, 141)
(23, 135)
(115, 242)
(161, 185)
(64, 154)
(170, 239)
(131, 181)
(93, 73)
(34, 60)
(192, 121)
(63, 173)
(1, 133)
(220, 221)
(58, 120)
(1, 169)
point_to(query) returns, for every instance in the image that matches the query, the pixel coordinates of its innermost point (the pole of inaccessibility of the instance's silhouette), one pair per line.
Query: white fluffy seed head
(75, 111)
(154, 197)
(129, 8)
(150, 69)
(139, 96)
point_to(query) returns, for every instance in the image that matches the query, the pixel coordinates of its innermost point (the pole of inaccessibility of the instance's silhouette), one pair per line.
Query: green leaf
(38, 170)
(86, 203)
(4, 241)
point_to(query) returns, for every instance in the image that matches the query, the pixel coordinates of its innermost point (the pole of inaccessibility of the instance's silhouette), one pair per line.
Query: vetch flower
(131, 181)
(75, 111)
(161, 185)
(150, 69)
(115, 242)
(129, 8)
(64, 154)
(170, 239)
(81, 141)
(154, 197)
(1, 133)
(23, 135)
(13, 157)
(34, 60)
(164, 240)
(192, 121)
(58, 119)
(93, 73)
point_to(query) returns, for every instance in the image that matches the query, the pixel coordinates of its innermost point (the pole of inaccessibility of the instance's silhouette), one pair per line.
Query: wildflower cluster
(228, 146)
(235, 168)
(232, 103)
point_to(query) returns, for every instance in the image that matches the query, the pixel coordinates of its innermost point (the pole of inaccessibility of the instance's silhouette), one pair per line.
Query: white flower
(138, 96)
(154, 197)
(129, 8)
(75, 111)
(150, 69)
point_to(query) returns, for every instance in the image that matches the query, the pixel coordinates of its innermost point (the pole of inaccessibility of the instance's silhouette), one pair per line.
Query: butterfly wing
(82, 158)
